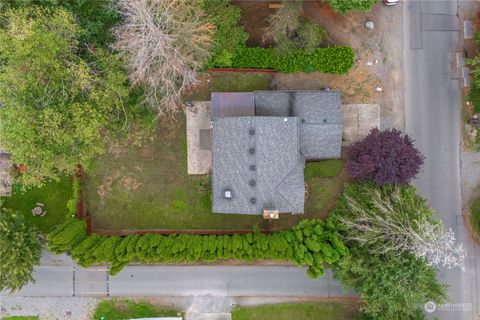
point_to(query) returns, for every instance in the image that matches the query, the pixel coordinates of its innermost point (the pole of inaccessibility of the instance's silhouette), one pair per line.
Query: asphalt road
(432, 106)
(68, 280)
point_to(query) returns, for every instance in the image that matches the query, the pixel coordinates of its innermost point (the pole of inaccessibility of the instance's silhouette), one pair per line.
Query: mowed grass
(54, 195)
(128, 309)
(475, 216)
(20, 318)
(147, 187)
(299, 311)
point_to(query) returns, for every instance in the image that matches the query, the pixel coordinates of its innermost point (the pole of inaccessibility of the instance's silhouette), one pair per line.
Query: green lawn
(127, 309)
(54, 195)
(147, 186)
(300, 311)
(323, 169)
(20, 318)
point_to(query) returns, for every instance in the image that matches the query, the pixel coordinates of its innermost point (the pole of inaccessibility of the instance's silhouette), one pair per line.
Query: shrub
(324, 168)
(72, 202)
(344, 6)
(335, 60)
(474, 97)
(385, 157)
(229, 35)
(475, 216)
(311, 243)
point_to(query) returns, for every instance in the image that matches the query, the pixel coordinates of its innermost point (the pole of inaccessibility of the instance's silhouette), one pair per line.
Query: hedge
(310, 243)
(335, 60)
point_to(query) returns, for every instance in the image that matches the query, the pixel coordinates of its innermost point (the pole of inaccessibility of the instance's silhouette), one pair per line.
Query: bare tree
(166, 43)
(401, 231)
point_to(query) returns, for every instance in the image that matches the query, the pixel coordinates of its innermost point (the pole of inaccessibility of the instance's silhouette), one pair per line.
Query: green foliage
(72, 202)
(127, 309)
(475, 216)
(58, 107)
(335, 60)
(20, 250)
(67, 236)
(324, 168)
(20, 318)
(94, 17)
(311, 243)
(392, 284)
(310, 35)
(474, 97)
(343, 6)
(229, 34)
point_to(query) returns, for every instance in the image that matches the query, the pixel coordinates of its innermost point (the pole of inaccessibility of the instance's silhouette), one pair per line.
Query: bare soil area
(378, 54)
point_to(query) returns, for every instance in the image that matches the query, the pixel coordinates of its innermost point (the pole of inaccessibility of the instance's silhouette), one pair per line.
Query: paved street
(65, 279)
(432, 106)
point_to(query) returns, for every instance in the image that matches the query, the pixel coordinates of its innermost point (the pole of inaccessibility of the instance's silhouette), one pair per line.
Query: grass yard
(54, 195)
(300, 311)
(128, 309)
(147, 186)
(20, 318)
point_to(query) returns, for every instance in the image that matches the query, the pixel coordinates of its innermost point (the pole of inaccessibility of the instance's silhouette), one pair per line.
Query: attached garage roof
(232, 104)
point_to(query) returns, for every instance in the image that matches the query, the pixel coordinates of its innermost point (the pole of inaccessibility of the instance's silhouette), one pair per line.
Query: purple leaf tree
(385, 157)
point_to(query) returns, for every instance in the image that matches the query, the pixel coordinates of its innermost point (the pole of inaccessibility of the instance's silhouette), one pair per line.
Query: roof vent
(303, 120)
(285, 119)
(252, 167)
(251, 150)
(228, 194)
(253, 200)
(251, 132)
(252, 183)
(325, 120)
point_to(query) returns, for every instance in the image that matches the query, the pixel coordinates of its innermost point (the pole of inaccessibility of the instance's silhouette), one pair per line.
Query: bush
(335, 60)
(385, 157)
(229, 34)
(475, 216)
(344, 6)
(474, 97)
(72, 202)
(311, 243)
(324, 169)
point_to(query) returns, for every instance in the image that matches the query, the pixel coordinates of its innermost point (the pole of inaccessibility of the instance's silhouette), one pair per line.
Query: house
(260, 141)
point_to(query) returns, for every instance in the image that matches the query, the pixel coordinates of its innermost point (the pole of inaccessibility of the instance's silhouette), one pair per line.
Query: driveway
(432, 108)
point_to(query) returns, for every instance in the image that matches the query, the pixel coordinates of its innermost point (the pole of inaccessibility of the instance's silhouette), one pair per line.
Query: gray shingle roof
(319, 113)
(276, 181)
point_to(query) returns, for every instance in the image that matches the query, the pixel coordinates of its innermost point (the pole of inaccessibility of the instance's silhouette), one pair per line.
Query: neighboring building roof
(232, 104)
(319, 113)
(257, 159)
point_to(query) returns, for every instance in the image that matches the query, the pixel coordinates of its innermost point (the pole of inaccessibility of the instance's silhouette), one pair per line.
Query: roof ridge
(278, 187)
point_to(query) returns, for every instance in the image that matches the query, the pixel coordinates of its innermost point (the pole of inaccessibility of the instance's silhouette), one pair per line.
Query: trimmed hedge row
(311, 243)
(335, 60)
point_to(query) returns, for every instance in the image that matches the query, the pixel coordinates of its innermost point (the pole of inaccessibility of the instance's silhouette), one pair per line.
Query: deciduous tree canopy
(56, 106)
(385, 157)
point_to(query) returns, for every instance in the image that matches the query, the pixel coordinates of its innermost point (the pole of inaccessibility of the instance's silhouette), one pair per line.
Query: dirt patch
(254, 18)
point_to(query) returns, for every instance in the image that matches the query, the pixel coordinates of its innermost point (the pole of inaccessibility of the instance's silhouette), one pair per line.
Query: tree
(394, 245)
(166, 43)
(385, 157)
(395, 219)
(392, 286)
(58, 108)
(20, 250)
(290, 31)
(343, 6)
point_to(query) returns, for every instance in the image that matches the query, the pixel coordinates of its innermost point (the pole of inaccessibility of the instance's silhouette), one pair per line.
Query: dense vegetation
(58, 106)
(19, 248)
(311, 243)
(391, 279)
(385, 157)
(128, 309)
(336, 60)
